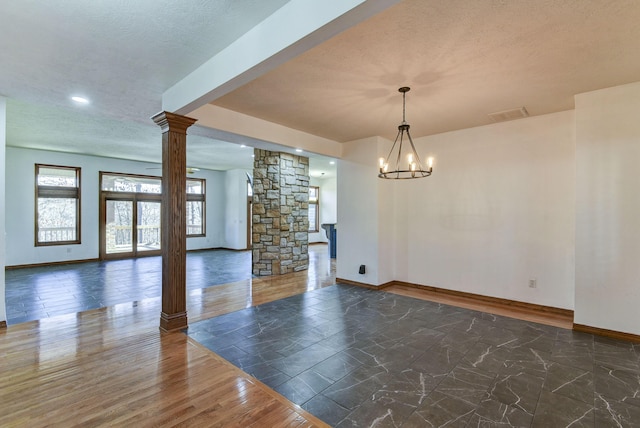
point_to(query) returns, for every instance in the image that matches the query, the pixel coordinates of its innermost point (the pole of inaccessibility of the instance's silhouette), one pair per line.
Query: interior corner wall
(387, 238)
(497, 212)
(608, 209)
(235, 209)
(402, 236)
(363, 215)
(3, 133)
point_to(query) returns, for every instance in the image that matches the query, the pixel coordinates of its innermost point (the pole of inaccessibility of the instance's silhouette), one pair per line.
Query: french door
(129, 226)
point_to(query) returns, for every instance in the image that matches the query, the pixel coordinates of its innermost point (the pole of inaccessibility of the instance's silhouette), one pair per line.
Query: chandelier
(404, 164)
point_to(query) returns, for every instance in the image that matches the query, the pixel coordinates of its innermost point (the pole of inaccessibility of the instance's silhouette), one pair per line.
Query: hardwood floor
(547, 318)
(112, 366)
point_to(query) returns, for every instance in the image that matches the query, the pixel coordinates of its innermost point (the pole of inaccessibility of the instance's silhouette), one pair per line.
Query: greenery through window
(195, 207)
(131, 183)
(57, 205)
(151, 187)
(314, 209)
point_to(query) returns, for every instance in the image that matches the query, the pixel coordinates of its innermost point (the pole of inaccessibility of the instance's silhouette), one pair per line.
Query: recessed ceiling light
(80, 100)
(299, 150)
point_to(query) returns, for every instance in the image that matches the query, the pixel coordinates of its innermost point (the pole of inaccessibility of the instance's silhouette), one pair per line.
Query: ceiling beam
(262, 134)
(293, 29)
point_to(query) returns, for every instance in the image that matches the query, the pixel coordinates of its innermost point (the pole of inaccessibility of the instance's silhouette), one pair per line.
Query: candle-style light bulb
(410, 158)
(381, 160)
(413, 166)
(430, 163)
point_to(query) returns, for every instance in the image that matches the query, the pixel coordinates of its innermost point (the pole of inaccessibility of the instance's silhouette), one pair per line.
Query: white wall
(386, 224)
(499, 210)
(363, 212)
(235, 186)
(20, 212)
(3, 133)
(214, 211)
(608, 215)
(328, 205)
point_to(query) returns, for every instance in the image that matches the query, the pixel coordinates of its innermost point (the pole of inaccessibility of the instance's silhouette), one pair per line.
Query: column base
(170, 322)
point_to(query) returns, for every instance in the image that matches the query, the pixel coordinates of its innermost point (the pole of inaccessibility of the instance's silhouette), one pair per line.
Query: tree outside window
(195, 207)
(57, 205)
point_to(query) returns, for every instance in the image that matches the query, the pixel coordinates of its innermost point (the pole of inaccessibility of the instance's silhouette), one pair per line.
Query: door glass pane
(119, 231)
(148, 226)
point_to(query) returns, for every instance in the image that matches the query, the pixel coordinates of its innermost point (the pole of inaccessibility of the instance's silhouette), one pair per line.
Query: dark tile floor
(40, 292)
(361, 358)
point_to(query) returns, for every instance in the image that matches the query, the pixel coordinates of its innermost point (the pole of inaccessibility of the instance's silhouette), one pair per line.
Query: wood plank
(607, 333)
(112, 366)
(492, 307)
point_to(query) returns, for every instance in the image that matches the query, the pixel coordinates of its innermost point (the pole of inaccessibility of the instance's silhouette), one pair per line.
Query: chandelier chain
(404, 97)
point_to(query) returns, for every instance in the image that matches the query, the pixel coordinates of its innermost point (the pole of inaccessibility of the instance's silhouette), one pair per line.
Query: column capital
(172, 122)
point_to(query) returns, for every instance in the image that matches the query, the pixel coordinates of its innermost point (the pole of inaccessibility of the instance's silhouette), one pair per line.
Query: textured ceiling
(463, 60)
(120, 54)
(99, 136)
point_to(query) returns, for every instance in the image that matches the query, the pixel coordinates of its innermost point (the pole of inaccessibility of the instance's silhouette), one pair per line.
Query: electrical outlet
(533, 283)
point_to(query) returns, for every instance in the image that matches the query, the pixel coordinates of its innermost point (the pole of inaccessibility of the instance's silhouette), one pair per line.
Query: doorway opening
(130, 214)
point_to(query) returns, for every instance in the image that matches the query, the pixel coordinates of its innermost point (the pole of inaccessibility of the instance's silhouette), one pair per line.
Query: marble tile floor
(361, 358)
(35, 293)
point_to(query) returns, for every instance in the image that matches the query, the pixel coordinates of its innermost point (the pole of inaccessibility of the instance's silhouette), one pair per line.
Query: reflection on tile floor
(357, 358)
(40, 292)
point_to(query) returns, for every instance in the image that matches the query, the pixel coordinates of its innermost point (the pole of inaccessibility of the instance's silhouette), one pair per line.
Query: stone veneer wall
(280, 213)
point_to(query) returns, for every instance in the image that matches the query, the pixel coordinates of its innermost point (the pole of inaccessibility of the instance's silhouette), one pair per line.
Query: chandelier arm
(415, 152)
(394, 146)
(399, 154)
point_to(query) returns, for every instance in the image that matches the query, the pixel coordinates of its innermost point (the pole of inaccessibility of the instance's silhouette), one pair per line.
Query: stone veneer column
(280, 213)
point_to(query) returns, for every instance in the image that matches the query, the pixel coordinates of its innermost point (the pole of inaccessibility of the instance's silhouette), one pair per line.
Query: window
(114, 182)
(195, 207)
(314, 213)
(57, 205)
(141, 186)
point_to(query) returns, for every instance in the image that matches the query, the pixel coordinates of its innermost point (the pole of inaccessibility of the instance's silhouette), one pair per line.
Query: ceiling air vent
(516, 113)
